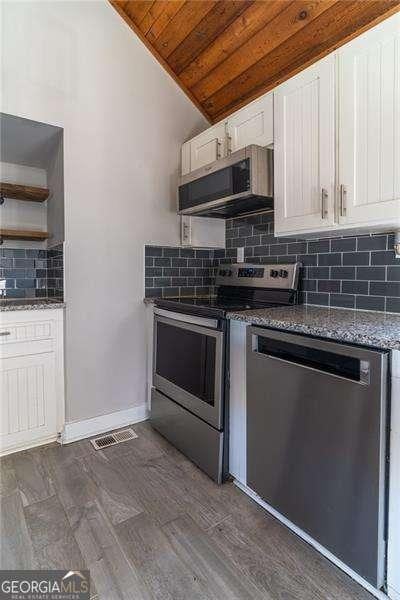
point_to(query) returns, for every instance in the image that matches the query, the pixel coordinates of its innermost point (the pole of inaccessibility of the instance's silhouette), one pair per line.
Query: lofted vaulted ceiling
(225, 53)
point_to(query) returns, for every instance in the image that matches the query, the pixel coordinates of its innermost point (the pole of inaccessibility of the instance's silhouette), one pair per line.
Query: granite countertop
(366, 328)
(30, 304)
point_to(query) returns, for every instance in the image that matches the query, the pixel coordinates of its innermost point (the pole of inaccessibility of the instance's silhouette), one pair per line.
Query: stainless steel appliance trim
(310, 342)
(382, 511)
(365, 372)
(291, 282)
(202, 321)
(211, 414)
(261, 177)
(363, 381)
(214, 203)
(198, 440)
(378, 362)
(217, 165)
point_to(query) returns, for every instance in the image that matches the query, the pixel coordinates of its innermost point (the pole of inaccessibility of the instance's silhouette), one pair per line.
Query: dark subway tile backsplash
(350, 272)
(354, 272)
(31, 273)
(55, 272)
(179, 271)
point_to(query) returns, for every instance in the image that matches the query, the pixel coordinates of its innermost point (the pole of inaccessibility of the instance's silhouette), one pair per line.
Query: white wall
(78, 65)
(55, 204)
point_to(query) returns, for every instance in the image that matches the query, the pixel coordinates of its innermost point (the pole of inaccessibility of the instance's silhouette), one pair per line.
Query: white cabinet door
(207, 147)
(28, 400)
(304, 150)
(369, 126)
(253, 124)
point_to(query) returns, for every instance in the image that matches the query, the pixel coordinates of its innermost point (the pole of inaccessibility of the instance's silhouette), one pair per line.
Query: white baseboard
(28, 445)
(393, 594)
(378, 594)
(80, 430)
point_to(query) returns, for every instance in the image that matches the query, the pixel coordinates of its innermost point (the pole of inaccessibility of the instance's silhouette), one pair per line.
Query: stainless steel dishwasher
(316, 441)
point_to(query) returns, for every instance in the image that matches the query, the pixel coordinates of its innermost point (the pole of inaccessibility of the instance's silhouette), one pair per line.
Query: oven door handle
(182, 324)
(212, 323)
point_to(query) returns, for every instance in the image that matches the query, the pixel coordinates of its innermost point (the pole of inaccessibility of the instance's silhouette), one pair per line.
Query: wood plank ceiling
(225, 53)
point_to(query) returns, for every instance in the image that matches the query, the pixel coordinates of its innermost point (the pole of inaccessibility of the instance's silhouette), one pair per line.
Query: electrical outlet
(186, 231)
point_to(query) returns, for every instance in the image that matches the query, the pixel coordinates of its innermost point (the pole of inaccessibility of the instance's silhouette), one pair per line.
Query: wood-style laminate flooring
(151, 526)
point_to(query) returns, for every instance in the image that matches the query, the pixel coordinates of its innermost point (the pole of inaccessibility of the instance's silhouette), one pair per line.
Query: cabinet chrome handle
(5, 333)
(324, 197)
(229, 144)
(342, 207)
(219, 151)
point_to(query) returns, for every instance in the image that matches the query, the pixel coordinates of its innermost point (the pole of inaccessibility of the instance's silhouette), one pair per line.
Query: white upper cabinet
(369, 127)
(204, 148)
(253, 124)
(335, 128)
(304, 150)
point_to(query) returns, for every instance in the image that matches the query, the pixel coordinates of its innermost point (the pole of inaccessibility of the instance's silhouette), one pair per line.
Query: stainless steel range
(189, 403)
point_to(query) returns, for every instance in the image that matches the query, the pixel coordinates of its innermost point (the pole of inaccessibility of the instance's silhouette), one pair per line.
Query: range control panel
(285, 276)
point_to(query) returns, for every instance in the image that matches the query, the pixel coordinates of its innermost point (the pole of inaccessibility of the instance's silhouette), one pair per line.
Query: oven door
(188, 364)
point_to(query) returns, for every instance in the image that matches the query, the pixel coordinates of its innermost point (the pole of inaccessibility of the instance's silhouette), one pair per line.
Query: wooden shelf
(21, 234)
(23, 192)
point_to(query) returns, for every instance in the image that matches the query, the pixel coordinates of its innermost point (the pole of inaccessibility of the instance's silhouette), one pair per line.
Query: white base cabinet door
(28, 407)
(304, 150)
(369, 127)
(32, 410)
(253, 124)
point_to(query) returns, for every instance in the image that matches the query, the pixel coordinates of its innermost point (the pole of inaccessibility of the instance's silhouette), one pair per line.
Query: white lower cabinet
(28, 411)
(31, 378)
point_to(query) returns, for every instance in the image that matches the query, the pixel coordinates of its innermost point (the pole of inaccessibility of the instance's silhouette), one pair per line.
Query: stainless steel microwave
(239, 184)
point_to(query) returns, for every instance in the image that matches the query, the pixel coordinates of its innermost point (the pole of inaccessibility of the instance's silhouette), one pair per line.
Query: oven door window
(187, 359)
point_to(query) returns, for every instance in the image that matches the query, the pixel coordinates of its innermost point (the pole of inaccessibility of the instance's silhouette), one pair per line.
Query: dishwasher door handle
(301, 353)
(364, 372)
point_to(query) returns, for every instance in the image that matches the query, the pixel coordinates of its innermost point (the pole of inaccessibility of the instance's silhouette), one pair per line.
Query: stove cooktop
(242, 287)
(211, 306)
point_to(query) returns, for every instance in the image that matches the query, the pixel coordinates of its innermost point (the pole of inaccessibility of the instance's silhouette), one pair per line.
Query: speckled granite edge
(364, 328)
(37, 306)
